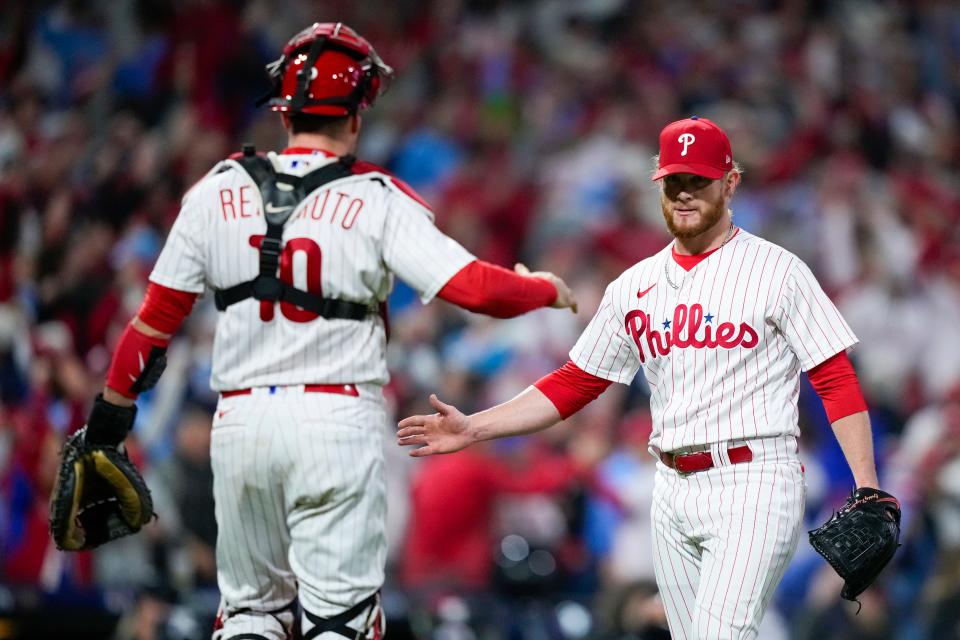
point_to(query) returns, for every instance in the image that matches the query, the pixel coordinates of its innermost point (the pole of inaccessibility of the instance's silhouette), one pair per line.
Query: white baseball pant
(300, 507)
(723, 538)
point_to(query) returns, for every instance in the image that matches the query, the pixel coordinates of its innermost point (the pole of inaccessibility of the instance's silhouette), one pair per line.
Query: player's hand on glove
(99, 495)
(860, 539)
(565, 297)
(446, 431)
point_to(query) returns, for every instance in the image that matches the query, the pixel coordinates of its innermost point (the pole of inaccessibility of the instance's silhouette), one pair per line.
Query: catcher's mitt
(860, 539)
(99, 495)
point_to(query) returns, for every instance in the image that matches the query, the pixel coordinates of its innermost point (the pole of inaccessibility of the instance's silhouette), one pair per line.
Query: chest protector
(281, 193)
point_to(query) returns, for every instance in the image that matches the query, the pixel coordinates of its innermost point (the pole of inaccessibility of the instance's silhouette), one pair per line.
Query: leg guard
(248, 624)
(362, 621)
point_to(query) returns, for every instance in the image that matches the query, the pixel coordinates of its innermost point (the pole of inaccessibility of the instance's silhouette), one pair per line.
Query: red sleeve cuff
(485, 288)
(836, 383)
(164, 309)
(570, 388)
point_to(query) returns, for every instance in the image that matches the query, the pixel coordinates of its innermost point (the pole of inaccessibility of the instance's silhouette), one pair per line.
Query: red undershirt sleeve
(836, 383)
(570, 388)
(163, 309)
(485, 288)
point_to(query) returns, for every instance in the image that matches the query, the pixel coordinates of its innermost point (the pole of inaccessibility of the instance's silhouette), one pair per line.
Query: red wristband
(130, 358)
(163, 309)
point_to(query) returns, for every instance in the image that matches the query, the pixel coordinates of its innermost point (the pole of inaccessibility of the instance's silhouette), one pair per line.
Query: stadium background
(529, 126)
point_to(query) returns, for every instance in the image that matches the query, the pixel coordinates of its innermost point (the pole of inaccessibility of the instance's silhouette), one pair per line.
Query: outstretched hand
(565, 297)
(446, 431)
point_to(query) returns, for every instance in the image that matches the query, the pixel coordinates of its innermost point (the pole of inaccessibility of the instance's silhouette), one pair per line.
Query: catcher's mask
(327, 69)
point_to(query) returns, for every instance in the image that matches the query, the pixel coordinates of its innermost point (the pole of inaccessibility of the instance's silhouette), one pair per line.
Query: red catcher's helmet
(327, 69)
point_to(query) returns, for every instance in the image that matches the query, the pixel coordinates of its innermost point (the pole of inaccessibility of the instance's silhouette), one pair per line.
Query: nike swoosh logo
(640, 294)
(273, 209)
(224, 412)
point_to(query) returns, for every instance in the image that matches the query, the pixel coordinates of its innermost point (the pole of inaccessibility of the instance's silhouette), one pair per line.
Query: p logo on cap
(694, 145)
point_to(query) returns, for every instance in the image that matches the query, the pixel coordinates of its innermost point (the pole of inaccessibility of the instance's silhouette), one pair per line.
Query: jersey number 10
(311, 251)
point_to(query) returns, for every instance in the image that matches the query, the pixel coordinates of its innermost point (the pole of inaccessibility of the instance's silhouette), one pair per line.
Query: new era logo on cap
(694, 145)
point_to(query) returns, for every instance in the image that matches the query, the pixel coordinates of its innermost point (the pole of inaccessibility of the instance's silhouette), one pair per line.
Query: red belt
(702, 460)
(340, 389)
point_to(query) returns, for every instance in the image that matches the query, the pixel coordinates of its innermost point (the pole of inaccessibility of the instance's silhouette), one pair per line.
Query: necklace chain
(666, 269)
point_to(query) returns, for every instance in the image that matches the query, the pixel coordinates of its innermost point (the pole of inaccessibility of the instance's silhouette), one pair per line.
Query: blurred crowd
(529, 126)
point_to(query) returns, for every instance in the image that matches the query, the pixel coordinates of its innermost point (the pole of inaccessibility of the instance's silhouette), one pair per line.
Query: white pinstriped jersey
(345, 240)
(723, 352)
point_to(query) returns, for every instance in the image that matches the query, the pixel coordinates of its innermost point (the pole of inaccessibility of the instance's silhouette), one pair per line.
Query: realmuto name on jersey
(690, 327)
(326, 204)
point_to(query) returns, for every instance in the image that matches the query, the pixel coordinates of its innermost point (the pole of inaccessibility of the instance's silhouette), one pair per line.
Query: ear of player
(98, 495)
(860, 539)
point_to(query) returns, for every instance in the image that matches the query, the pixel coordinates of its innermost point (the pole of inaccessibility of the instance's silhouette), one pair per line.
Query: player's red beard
(710, 214)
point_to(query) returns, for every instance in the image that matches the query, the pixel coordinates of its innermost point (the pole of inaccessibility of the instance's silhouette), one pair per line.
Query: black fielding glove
(860, 539)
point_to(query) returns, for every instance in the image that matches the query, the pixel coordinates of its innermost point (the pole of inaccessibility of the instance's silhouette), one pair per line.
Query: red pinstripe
(683, 564)
(826, 339)
(766, 370)
(736, 282)
(723, 387)
(606, 348)
(599, 311)
(756, 302)
(814, 285)
(665, 515)
(692, 353)
(826, 348)
(786, 558)
(624, 305)
(762, 544)
(736, 554)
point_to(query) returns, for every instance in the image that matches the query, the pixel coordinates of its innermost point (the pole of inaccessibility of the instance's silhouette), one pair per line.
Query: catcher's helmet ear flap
(327, 69)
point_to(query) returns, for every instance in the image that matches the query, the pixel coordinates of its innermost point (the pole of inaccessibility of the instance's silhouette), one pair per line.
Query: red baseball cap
(694, 145)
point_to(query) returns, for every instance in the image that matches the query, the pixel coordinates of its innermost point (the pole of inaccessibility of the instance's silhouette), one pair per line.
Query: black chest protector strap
(281, 194)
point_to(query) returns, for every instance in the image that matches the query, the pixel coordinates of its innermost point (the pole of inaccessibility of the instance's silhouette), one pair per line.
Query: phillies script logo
(687, 329)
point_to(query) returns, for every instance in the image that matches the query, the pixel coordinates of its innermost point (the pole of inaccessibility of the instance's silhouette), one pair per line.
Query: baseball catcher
(99, 495)
(860, 539)
(301, 256)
